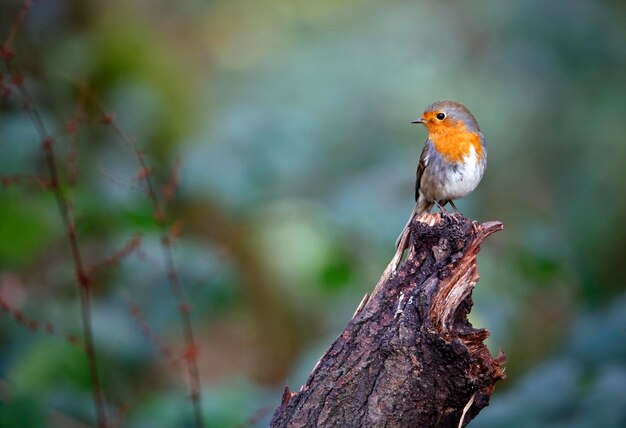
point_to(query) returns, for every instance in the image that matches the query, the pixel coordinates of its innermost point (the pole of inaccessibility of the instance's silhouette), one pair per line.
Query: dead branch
(409, 356)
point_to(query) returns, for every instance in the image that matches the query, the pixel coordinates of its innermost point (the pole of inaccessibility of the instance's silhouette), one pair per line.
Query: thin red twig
(191, 349)
(23, 180)
(21, 318)
(6, 50)
(72, 127)
(164, 350)
(82, 278)
(171, 185)
(114, 259)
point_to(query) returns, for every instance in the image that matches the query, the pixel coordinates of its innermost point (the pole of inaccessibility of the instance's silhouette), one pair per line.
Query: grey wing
(420, 170)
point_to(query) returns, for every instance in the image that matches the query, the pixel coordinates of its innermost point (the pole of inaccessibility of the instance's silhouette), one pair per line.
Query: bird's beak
(420, 120)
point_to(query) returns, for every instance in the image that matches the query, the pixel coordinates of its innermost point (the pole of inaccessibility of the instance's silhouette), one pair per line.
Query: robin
(452, 162)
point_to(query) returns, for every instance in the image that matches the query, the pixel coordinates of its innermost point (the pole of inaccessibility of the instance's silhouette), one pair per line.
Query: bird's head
(444, 117)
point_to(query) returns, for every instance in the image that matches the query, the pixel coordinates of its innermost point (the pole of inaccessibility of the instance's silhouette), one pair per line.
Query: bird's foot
(452, 217)
(458, 217)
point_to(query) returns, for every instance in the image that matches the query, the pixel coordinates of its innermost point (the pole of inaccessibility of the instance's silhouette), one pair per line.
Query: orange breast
(454, 142)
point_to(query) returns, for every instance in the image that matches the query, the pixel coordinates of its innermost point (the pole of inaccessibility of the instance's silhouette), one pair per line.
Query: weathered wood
(409, 357)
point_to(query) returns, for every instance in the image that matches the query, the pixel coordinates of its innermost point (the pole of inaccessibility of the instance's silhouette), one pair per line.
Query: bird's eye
(441, 116)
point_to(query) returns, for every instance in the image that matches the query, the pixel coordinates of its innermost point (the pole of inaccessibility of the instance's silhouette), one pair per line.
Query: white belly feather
(465, 179)
(449, 182)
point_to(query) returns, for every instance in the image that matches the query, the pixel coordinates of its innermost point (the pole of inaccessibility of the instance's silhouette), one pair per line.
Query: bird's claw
(455, 218)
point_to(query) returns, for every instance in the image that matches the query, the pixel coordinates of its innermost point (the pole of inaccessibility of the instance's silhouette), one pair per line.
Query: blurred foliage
(291, 123)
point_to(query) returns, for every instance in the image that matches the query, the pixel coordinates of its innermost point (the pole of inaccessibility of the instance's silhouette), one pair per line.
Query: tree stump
(409, 357)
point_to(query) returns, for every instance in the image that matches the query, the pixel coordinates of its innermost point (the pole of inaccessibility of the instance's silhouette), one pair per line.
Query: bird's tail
(421, 206)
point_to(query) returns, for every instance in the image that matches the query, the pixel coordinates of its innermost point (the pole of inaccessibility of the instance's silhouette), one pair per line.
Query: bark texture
(409, 357)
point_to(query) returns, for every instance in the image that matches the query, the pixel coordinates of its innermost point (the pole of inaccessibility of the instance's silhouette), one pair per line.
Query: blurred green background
(290, 121)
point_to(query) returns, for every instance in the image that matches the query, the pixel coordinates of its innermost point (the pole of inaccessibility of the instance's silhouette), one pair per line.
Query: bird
(452, 162)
